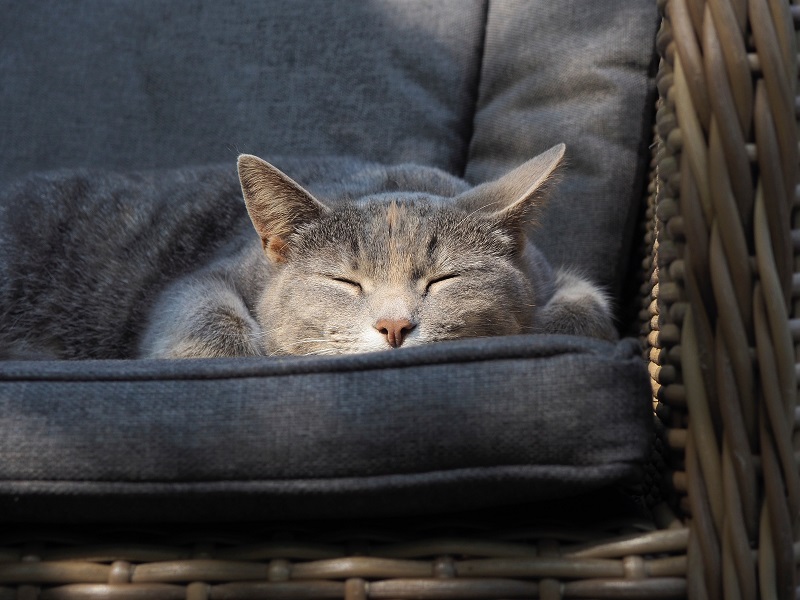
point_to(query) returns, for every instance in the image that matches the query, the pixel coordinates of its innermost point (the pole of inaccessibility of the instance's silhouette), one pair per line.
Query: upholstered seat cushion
(454, 425)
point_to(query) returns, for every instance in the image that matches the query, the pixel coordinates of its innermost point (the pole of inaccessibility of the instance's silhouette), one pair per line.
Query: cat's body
(166, 264)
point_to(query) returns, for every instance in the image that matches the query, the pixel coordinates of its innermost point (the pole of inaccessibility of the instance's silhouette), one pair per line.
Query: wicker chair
(719, 294)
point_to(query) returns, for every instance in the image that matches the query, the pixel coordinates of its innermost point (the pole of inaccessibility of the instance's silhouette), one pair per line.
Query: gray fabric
(506, 419)
(112, 83)
(573, 72)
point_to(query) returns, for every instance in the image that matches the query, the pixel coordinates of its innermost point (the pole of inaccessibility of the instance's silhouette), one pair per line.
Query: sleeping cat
(364, 258)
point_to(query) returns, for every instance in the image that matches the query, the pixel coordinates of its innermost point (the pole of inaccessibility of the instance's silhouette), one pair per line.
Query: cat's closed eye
(437, 282)
(354, 287)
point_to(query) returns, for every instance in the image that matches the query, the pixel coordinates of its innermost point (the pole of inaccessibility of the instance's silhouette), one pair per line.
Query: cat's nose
(394, 330)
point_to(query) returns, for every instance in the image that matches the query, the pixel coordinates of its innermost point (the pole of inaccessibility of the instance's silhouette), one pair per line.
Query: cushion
(130, 85)
(472, 87)
(575, 72)
(457, 425)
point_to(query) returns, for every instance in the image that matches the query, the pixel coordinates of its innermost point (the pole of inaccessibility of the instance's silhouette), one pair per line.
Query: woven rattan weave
(720, 300)
(723, 343)
(450, 560)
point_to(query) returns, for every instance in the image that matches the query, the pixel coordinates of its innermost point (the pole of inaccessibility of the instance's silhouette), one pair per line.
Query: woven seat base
(437, 559)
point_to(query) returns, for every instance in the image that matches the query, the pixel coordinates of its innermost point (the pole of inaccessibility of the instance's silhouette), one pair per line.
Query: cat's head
(395, 269)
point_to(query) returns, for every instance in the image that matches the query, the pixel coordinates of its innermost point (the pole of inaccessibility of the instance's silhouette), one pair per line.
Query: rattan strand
(725, 271)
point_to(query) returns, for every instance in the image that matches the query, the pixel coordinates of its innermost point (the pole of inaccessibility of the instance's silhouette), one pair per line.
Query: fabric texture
(499, 420)
(117, 84)
(574, 72)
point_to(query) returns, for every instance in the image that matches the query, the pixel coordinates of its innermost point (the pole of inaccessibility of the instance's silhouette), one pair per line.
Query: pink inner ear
(276, 248)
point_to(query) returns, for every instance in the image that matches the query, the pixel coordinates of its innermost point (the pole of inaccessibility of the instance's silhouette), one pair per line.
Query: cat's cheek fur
(465, 309)
(295, 315)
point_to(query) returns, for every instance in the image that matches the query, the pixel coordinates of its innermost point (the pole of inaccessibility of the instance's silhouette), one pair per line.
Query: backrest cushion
(574, 72)
(470, 86)
(112, 83)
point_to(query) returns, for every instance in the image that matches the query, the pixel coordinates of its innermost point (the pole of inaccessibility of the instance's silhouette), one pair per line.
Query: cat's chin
(355, 349)
(363, 346)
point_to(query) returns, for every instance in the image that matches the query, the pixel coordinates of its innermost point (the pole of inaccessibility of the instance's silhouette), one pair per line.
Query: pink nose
(394, 330)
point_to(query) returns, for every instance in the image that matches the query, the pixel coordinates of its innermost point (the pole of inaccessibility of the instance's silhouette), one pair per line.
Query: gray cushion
(473, 87)
(113, 83)
(573, 72)
(454, 425)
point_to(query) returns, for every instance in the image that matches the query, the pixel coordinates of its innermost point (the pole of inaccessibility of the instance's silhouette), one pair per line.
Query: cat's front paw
(578, 307)
(227, 333)
(217, 327)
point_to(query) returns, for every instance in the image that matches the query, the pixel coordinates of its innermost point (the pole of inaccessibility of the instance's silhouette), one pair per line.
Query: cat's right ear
(277, 204)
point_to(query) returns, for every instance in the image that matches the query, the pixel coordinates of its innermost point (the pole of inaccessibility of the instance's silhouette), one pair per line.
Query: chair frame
(724, 341)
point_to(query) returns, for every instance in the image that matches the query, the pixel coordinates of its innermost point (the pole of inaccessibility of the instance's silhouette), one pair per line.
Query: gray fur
(167, 264)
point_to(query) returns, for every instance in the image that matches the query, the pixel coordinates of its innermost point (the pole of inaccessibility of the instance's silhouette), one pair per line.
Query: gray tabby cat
(158, 265)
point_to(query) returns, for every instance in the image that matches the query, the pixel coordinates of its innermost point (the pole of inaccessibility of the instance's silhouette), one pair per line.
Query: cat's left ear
(514, 198)
(277, 204)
